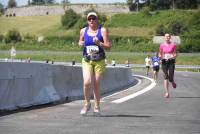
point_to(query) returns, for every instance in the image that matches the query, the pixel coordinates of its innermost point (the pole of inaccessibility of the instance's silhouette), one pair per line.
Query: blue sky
(24, 2)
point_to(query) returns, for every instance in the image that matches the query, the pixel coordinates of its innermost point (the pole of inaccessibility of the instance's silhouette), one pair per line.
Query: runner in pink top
(168, 55)
(167, 50)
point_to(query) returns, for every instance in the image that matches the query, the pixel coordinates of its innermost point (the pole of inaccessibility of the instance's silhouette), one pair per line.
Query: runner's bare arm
(105, 34)
(160, 53)
(81, 39)
(174, 53)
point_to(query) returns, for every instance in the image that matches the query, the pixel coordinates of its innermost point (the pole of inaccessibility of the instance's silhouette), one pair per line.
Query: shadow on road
(34, 107)
(187, 97)
(126, 115)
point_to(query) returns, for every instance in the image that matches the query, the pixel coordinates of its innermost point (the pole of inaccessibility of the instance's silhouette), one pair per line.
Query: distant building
(160, 39)
(59, 9)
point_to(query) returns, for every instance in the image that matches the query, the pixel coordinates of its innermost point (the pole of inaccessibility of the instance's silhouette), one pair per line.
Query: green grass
(34, 25)
(189, 59)
(131, 31)
(51, 26)
(131, 24)
(140, 20)
(121, 25)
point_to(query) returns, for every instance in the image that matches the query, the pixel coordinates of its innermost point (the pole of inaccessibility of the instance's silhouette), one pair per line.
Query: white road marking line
(139, 81)
(129, 96)
(153, 84)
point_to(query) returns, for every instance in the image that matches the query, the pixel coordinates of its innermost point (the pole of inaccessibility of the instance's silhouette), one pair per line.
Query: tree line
(135, 5)
(13, 3)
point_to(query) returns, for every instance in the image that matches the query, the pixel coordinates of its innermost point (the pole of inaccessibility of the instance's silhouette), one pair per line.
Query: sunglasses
(92, 18)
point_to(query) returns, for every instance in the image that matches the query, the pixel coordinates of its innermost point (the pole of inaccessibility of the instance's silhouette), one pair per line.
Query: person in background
(147, 64)
(94, 39)
(113, 62)
(167, 53)
(13, 53)
(106, 61)
(155, 61)
(127, 62)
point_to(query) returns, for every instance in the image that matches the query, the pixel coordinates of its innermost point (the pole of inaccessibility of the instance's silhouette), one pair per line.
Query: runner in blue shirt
(155, 61)
(94, 39)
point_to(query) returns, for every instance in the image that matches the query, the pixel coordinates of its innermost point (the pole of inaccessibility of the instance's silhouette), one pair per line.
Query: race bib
(92, 49)
(168, 56)
(155, 63)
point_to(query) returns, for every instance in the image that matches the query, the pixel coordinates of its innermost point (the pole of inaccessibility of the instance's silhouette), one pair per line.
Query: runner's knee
(166, 76)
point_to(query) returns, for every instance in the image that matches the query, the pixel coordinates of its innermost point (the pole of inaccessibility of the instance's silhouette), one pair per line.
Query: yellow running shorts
(98, 67)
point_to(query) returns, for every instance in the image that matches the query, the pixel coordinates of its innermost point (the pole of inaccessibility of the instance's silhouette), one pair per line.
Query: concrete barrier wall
(59, 10)
(27, 84)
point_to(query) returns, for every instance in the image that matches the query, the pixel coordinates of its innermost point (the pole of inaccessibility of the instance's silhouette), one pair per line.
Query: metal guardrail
(194, 67)
(187, 67)
(177, 66)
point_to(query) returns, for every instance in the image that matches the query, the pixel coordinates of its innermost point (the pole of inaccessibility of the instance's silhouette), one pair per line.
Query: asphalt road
(148, 113)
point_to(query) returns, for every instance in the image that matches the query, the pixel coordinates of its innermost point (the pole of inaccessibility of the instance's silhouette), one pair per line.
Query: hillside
(132, 24)
(36, 25)
(151, 20)
(132, 32)
(129, 33)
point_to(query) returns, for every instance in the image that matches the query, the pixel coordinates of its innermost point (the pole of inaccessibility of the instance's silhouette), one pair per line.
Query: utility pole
(173, 4)
(137, 4)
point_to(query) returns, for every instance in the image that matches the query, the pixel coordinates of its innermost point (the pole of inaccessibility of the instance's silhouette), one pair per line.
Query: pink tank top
(167, 49)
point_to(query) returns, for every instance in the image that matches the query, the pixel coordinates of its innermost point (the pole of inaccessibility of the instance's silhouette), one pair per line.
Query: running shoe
(97, 111)
(166, 95)
(85, 109)
(173, 84)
